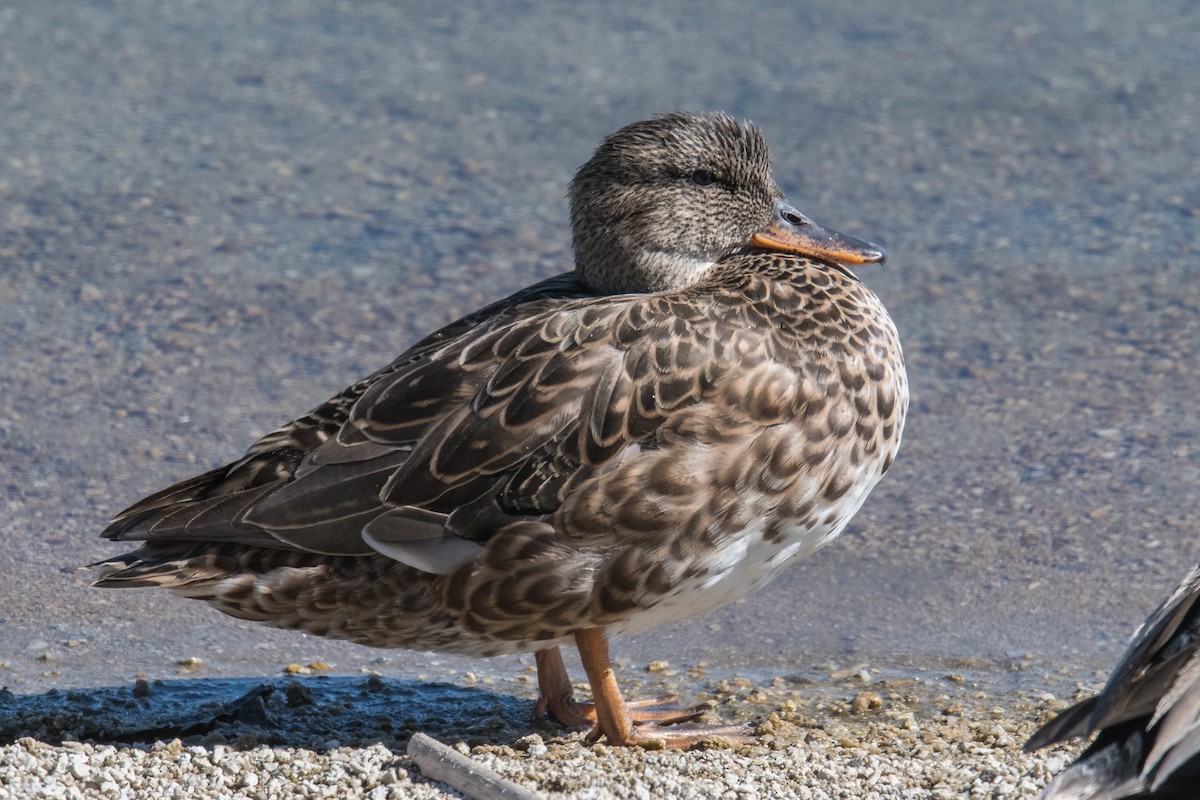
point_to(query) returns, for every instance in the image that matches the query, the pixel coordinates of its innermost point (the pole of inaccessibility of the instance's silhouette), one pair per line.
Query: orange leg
(556, 695)
(617, 724)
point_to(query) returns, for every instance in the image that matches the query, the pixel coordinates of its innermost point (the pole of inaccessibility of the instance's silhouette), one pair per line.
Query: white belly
(748, 561)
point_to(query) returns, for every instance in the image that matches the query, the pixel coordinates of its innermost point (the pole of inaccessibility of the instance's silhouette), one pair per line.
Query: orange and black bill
(793, 232)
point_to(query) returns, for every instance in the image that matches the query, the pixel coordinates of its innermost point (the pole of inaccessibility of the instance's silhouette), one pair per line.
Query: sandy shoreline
(939, 736)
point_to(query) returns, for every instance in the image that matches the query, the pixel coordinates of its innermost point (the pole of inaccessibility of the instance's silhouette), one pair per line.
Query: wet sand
(214, 217)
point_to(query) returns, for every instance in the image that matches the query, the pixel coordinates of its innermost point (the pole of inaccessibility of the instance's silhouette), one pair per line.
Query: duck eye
(703, 177)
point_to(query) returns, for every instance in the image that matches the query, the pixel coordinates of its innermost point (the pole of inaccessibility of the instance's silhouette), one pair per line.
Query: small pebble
(865, 701)
(189, 664)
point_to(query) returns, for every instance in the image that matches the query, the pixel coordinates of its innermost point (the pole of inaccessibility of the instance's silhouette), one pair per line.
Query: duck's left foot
(648, 724)
(658, 710)
(655, 736)
(556, 696)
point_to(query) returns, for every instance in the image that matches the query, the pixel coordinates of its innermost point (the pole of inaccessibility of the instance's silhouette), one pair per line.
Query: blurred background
(213, 216)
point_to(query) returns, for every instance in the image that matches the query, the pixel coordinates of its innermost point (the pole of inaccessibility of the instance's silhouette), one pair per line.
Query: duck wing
(213, 506)
(1144, 683)
(1147, 715)
(487, 421)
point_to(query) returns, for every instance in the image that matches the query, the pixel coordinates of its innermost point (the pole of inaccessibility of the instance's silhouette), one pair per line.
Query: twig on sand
(446, 765)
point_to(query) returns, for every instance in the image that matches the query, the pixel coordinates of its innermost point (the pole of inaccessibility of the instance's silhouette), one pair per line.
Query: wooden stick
(446, 765)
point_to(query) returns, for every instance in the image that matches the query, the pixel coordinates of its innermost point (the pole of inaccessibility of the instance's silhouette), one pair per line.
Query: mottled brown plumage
(708, 397)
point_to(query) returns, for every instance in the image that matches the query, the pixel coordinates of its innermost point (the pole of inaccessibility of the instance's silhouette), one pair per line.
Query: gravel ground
(853, 733)
(214, 215)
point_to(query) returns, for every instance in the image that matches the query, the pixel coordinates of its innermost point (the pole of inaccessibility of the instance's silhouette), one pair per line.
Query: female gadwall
(709, 396)
(1148, 714)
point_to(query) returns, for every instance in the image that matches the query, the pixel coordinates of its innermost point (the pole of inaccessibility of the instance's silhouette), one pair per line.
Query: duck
(708, 396)
(1147, 716)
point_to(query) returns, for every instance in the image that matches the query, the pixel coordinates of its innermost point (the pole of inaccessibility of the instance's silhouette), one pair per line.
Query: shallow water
(212, 217)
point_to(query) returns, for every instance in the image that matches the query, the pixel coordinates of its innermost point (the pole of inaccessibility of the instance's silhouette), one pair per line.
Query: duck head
(663, 200)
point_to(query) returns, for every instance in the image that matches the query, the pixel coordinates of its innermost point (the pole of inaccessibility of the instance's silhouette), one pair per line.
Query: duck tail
(183, 570)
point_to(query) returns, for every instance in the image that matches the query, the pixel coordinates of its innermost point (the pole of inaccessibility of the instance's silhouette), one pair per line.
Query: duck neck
(616, 267)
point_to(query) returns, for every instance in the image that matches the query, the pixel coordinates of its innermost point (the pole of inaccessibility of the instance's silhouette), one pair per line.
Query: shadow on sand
(318, 714)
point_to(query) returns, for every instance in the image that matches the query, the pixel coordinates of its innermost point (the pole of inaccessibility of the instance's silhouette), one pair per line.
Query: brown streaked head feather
(642, 222)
